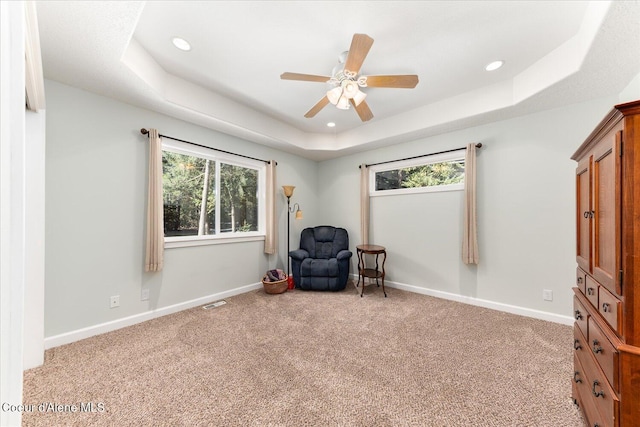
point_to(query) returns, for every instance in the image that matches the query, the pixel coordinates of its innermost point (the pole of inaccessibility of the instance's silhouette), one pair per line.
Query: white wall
(631, 92)
(525, 212)
(96, 197)
(34, 238)
(12, 207)
(96, 194)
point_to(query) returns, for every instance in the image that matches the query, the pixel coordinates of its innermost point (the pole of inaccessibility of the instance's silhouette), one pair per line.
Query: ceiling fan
(347, 82)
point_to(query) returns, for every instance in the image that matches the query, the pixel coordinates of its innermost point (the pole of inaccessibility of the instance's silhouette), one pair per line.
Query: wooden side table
(378, 273)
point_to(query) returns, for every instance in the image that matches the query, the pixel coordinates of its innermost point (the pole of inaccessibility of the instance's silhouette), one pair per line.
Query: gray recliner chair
(322, 262)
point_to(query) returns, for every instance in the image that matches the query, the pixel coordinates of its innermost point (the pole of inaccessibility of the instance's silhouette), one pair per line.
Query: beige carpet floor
(314, 359)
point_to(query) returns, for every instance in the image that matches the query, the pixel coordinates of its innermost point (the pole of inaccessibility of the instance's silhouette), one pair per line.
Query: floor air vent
(214, 304)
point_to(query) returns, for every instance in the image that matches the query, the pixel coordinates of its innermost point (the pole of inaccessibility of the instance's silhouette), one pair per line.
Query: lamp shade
(288, 190)
(350, 88)
(334, 95)
(343, 103)
(359, 97)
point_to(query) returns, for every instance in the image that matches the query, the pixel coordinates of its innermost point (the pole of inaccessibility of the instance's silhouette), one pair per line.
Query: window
(440, 172)
(210, 198)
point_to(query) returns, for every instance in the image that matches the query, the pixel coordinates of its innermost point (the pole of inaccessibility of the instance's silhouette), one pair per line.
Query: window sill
(210, 240)
(417, 190)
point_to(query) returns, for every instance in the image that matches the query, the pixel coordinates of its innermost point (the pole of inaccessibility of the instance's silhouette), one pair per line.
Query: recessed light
(331, 124)
(181, 44)
(494, 65)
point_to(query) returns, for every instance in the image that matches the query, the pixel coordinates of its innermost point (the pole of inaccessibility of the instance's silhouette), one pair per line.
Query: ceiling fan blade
(401, 81)
(363, 110)
(360, 45)
(304, 77)
(316, 108)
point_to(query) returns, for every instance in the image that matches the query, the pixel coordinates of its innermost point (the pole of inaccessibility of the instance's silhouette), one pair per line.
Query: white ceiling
(555, 52)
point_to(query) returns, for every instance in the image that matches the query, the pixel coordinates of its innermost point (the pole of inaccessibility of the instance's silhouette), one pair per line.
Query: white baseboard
(513, 309)
(69, 337)
(77, 335)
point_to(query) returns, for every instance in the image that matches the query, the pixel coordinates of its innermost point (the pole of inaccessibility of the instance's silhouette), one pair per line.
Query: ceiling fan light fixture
(350, 88)
(359, 97)
(343, 86)
(334, 95)
(343, 103)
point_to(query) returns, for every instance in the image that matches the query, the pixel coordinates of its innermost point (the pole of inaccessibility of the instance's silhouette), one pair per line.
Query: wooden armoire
(606, 377)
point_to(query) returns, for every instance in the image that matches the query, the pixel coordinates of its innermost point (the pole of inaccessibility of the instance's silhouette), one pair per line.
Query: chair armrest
(344, 254)
(299, 254)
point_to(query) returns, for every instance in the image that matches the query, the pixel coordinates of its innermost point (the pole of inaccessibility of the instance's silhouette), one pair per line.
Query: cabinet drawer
(580, 315)
(580, 343)
(597, 387)
(591, 291)
(604, 352)
(581, 278)
(584, 396)
(611, 309)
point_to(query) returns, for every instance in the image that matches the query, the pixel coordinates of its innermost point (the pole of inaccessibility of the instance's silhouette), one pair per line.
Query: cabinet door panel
(583, 214)
(606, 208)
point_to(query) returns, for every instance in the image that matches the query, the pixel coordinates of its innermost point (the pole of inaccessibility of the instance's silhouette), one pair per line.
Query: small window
(440, 172)
(208, 197)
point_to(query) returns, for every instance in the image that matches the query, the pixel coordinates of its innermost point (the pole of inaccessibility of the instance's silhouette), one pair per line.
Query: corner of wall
(631, 92)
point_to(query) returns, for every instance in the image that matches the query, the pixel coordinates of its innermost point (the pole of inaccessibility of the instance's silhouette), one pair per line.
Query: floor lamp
(288, 192)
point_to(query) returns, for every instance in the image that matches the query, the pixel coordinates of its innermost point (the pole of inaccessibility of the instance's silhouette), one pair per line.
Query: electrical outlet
(547, 295)
(144, 295)
(114, 301)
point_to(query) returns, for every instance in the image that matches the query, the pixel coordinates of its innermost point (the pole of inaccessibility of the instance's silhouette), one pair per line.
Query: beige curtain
(154, 258)
(364, 204)
(470, 231)
(270, 241)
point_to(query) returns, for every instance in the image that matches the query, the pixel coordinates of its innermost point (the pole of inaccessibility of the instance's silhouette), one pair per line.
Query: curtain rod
(146, 132)
(478, 145)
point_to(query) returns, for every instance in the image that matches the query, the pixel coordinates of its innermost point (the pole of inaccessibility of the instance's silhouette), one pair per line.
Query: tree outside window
(208, 196)
(438, 172)
(435, 174)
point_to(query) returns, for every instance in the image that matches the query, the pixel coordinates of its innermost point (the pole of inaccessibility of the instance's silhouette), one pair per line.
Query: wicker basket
(274, 287)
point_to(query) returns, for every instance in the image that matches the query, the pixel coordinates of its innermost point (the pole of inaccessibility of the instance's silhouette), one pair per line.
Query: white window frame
(229, 159)
(420, 161)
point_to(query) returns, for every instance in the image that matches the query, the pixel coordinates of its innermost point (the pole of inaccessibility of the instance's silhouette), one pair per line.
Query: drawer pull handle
(578, 315)
(575, 377)
(590, 291)
(576, 344)
(605, 307)
(599, 393)
(597, 348)
(579, 279)
(586, 214)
